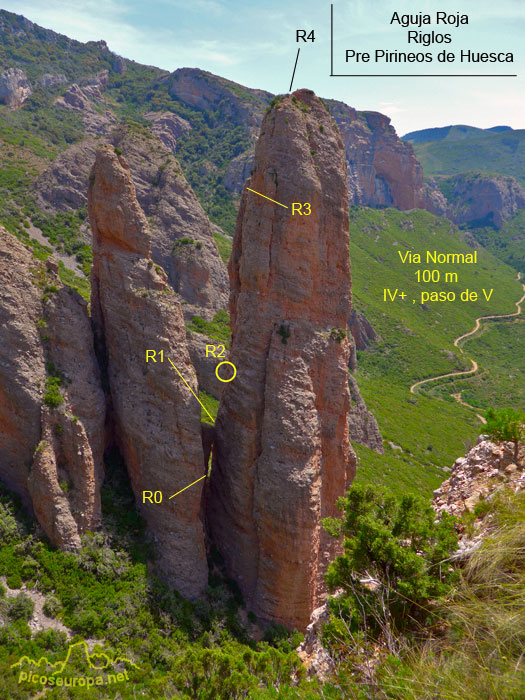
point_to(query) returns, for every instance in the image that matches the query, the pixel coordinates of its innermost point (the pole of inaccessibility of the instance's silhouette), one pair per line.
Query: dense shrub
(52, 395)
(52, 606)
(395, 563)
(477, 653)
(21, 607)
(506, 425)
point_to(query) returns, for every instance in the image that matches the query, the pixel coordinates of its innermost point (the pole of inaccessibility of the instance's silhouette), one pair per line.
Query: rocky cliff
(382, 170)
(482, 198)
(282, 454)
(477, 476)
(88, 102)
(206, 91)
(157, 420)
(181, 235)
(361, 330)
(15, 88)
(51, 403)
(362, 425)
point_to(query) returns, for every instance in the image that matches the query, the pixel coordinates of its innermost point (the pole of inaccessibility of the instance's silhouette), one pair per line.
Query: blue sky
(254, 44)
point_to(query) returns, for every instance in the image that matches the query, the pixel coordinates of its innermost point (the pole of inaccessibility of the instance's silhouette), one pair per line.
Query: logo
(79, 669)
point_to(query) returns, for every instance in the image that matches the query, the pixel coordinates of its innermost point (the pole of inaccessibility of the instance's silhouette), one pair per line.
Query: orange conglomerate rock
(282, 455)
(156, 417)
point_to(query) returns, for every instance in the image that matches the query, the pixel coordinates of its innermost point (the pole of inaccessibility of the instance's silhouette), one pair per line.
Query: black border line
(402, 75)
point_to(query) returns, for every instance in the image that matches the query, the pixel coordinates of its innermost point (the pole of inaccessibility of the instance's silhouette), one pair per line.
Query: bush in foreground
(396, 562)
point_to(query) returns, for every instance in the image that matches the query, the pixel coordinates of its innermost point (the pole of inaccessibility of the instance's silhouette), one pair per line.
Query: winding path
(457, 341)
(486, 318)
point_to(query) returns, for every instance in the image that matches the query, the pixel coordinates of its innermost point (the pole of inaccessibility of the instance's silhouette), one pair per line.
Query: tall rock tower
(157, 420)
(282, 454)
(52, 406)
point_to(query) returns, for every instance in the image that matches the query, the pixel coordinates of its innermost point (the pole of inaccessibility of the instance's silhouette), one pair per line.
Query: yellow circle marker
(226, 363)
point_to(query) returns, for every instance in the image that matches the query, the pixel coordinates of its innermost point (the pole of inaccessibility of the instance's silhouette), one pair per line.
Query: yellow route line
(271, 200)
(189, 387)
(204, 407)
(188, 486)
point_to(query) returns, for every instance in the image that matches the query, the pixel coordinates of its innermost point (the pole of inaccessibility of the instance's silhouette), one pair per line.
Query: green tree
(506, 425)
(396, 560)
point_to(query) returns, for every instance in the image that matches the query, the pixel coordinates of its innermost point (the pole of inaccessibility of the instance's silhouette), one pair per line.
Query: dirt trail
(457, 341)
(458, 398)
(486, 318)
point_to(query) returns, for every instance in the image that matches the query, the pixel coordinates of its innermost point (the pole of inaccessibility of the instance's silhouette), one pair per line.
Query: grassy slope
(500, 381)
(376, 237)
(508, 242)
(502, 153)
(417, 343)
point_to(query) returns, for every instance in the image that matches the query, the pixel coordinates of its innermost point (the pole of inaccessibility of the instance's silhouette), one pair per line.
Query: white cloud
(391, 108)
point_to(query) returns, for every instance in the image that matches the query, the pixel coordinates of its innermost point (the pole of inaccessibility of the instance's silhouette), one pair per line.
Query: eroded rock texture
(362, 425)
(480, 198)
(15, 88)
(382, 170)
(51, 442)
(282, 454)
(180, 232)
(157, 420)
(181, 235)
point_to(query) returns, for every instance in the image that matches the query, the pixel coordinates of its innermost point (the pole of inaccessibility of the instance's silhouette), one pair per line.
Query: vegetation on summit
(507, 425)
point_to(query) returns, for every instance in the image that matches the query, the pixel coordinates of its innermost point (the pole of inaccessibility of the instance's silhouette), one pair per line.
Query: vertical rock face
(361, 330)
(15, 88)
(480, 197)
(50, 444)
(78, 429)
(282, 454)
(181, 234)
(362, 425)
(22, 363)
(157, 420)
(381, 170)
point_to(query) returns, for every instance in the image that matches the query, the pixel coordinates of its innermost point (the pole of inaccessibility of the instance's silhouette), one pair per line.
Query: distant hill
(455, 149)
(57, 94)
(456, 132)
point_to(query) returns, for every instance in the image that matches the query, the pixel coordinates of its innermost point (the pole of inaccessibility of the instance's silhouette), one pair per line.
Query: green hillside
(501, 153)
(219, 132)
(499, 382)
(454, 132)
(506, 243)
(431, 429)
(417, 342)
